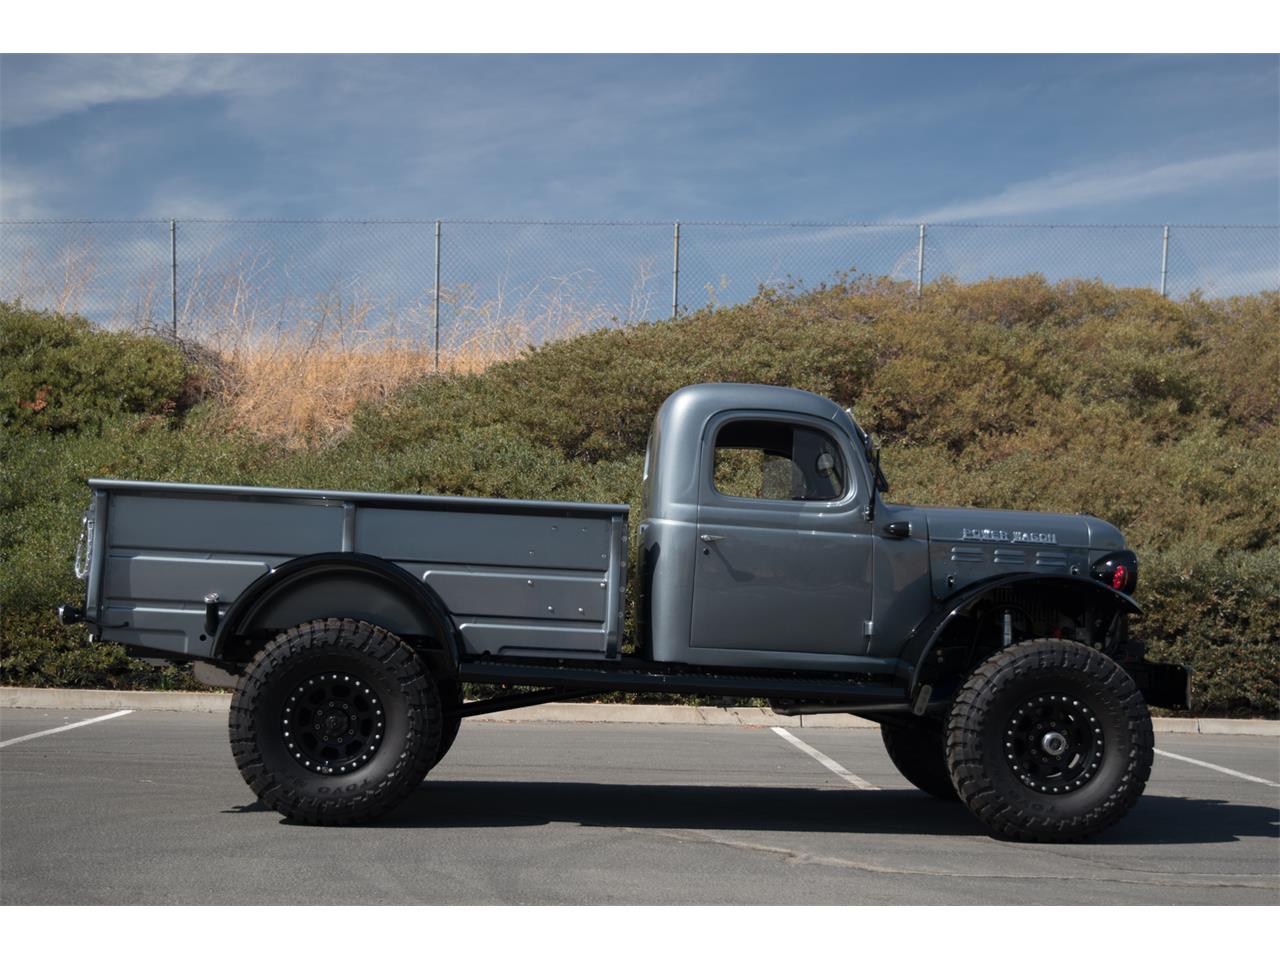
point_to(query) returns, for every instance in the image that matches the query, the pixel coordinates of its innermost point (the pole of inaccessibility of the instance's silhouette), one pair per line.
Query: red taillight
(1118, 570)
(1119, 577)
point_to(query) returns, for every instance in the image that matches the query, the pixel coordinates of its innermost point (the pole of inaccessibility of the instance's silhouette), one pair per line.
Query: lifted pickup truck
(991, 646)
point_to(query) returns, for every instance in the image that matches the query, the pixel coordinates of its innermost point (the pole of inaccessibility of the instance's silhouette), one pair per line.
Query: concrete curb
(58, 699)
(196, 702)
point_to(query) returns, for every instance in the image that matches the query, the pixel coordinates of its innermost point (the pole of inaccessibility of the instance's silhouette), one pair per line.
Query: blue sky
(1100, 139)
(1009, 139)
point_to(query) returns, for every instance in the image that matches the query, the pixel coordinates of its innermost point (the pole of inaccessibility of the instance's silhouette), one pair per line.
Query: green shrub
(58, 373)
(1240, 357)
(1220, 615)
(593, 398)
(42, 495)
(1159, 416)
(37, 652)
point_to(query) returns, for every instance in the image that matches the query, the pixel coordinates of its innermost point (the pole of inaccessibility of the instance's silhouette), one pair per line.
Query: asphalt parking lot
(148, 808)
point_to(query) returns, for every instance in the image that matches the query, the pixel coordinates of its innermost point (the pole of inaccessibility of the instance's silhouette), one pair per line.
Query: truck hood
(1021, 527)
(967, 546)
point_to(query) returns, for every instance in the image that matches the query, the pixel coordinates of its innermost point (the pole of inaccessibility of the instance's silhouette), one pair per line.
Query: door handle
(710, 537)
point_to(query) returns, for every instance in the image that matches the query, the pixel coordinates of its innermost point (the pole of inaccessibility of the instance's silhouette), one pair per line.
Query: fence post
(173, 277)
(435, 311)
(920, 265)
(675, 272)
(1164, 259)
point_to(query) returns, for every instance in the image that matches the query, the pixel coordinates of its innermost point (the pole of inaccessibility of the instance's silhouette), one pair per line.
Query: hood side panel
(966, 546)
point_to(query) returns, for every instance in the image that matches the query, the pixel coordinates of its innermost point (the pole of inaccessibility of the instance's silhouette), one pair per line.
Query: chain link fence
(459, 287)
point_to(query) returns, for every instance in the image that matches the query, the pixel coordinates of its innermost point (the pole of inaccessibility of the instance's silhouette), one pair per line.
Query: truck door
(784, 553)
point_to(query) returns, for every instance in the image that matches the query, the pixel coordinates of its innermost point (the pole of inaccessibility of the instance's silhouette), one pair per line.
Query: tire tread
(969, 770)
(337, 635)
(920, 756)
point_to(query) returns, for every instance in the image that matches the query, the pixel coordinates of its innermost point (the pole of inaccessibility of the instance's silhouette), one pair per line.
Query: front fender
(924, 638)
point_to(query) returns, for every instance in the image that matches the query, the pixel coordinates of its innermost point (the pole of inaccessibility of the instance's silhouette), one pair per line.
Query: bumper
(1162, 684)
(69, 615)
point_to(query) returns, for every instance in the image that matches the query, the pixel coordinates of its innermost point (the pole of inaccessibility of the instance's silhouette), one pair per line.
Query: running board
(855, 693)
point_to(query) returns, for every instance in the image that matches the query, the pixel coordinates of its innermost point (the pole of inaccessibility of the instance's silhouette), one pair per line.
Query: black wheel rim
(1054, 743)
(333, 723)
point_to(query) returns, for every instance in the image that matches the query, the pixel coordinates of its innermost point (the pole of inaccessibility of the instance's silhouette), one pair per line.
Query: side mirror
(882, 482)
(871, 446)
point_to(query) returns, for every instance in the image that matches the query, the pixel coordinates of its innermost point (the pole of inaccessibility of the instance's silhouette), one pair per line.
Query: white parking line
(1214, 766)
(823, 759)
(69, 726)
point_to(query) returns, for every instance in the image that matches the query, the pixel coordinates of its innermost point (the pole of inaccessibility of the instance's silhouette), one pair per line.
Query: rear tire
(451, 699)
(335, 722)
(920, 755)
(1049, 740)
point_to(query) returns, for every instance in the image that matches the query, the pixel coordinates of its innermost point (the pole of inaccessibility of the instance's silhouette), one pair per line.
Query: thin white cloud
(187, 198)
(24, 194)
(1100, 187)
(49, 87)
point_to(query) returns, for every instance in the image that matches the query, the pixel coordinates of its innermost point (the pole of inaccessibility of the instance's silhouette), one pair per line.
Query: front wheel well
(1015, 612)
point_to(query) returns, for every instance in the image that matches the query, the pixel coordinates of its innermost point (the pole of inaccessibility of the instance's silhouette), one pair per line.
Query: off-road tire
(985, 732)
(920, 755)
(396, 682)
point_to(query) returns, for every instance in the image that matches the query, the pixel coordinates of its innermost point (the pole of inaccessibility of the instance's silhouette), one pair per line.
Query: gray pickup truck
(991, 646)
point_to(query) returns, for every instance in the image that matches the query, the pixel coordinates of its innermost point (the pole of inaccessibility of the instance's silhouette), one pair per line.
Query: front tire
(1049, 740)
(335, 722)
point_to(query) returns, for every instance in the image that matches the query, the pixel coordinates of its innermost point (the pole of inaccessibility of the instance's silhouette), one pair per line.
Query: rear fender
(344, 585)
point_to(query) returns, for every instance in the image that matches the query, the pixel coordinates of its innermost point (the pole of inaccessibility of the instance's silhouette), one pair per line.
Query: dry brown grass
(302, 386)
(300, 382)
(295, 369)
(301, 395)
(305, 393)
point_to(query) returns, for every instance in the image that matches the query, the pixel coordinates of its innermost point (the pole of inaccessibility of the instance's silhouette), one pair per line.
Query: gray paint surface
(518, 576)
(799, 585)
(790, 583)
(788, 576)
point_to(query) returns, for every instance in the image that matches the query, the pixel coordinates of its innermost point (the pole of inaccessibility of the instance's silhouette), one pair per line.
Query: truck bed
(520, 578)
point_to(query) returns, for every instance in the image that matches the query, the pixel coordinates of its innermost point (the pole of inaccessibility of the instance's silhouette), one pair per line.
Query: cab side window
(771, 460)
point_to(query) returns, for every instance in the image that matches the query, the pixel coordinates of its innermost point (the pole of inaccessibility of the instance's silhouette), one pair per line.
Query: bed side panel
(166, 552)
(517, 584)
(523, 582)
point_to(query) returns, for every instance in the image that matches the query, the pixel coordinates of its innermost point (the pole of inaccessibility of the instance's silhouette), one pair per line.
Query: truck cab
(757, 537)
(766, 543)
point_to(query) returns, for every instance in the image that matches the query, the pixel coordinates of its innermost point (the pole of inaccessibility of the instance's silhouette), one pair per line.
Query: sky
(817, 139)
(1002, 139)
